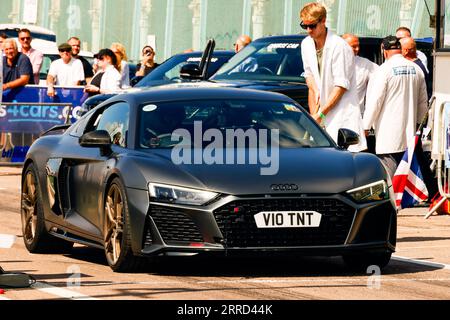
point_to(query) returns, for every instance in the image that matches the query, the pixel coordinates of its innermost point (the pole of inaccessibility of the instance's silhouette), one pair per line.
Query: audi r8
(195, 170)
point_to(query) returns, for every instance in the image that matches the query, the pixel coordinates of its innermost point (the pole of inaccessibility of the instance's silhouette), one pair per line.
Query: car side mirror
(190, 71)
(347, 138)
(97, 139)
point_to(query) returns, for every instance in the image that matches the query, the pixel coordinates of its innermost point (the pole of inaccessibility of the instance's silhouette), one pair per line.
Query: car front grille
(174, 226)
(240, 230)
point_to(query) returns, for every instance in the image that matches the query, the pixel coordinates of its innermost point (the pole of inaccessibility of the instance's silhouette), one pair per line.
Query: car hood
(294, 90)
(318, 171)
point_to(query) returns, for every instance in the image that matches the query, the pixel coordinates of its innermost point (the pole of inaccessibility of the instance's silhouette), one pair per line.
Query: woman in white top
(110, 82)
(122, 64)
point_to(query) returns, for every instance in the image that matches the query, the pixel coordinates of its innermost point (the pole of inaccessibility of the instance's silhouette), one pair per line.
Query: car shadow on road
(87, 254)
(273, 267)
(214, 266)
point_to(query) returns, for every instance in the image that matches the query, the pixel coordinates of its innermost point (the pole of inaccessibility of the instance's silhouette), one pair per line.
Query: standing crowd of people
(110, 71)
(348, 91)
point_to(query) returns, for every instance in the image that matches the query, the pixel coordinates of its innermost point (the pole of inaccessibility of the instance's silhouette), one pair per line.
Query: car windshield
(170, 69)
(191, 123)
(265, 61)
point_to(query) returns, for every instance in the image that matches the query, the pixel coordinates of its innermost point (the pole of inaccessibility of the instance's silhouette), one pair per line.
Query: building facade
(173, 26)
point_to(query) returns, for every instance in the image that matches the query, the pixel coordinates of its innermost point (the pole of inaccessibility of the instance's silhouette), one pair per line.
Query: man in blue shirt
(17, 68)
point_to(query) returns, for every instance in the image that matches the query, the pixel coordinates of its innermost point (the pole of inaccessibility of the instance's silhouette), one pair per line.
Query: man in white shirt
(66, 71)
(364, 68)
(330, 75)
(36, 57)
(396, 103)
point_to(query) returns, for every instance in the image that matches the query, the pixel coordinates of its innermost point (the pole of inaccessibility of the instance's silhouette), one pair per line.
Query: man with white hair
(17, 68)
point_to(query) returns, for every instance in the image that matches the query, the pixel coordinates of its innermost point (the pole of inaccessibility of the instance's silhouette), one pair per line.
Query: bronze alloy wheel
(29, 207)
(114, 223)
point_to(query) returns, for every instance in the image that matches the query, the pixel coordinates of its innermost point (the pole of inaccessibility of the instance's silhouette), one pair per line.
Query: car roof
(37, 32)
(32, 28)
(289, 37)
(198, 91)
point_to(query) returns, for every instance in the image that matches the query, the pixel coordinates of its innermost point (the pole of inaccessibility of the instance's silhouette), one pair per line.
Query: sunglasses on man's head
(310, 26)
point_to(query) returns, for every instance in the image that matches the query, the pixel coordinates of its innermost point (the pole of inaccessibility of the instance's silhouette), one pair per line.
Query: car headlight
(179, 195)
(372, 192)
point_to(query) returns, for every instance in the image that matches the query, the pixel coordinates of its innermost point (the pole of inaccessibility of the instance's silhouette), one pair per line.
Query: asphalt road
(420, 268)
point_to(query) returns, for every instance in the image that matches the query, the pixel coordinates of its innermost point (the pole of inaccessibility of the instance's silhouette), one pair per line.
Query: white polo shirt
(111, 80)
(67, 74)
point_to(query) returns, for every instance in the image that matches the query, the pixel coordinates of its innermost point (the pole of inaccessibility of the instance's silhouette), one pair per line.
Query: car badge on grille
(284, 187)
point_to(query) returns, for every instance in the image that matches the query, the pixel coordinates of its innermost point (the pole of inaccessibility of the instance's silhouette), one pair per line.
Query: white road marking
(4, 298)
(60, 292)
(271, 281)
(421, 262)
(7, 241)
(422, 247)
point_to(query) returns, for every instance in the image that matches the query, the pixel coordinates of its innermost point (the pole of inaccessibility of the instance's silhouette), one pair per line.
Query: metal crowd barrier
(443, 156)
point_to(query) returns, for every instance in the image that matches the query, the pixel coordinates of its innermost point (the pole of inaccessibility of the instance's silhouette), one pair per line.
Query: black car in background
(113, 180)
(271, 64)
(280, 67)
(168, 72)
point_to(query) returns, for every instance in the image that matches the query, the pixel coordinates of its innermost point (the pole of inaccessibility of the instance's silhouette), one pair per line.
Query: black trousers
(429, 178)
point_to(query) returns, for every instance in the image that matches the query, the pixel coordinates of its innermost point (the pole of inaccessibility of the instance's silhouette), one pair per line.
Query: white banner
(30, 10)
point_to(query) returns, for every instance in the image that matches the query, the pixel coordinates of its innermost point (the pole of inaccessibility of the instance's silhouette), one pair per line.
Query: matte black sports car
(205, 170)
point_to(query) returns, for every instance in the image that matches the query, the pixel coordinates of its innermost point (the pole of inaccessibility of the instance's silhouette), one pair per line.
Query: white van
(44, 40)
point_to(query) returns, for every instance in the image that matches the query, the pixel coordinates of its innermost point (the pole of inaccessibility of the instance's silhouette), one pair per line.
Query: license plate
(288, 219)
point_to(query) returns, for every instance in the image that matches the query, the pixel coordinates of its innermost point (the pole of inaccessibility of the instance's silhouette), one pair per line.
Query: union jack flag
(407, 182)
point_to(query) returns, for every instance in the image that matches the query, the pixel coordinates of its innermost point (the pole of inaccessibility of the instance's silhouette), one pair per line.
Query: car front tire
(117, 231)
